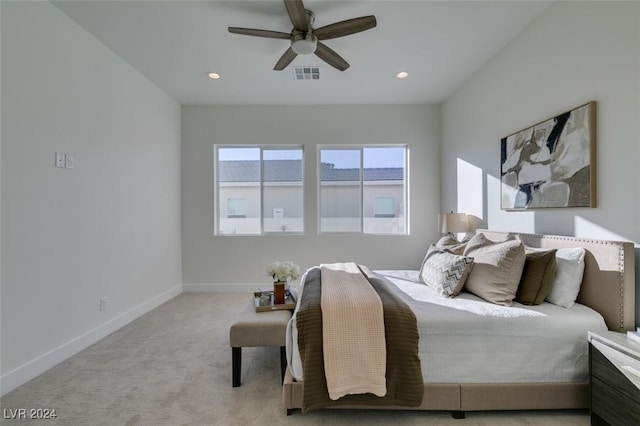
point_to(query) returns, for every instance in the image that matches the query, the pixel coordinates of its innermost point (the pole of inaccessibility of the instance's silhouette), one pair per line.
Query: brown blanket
(403, 376)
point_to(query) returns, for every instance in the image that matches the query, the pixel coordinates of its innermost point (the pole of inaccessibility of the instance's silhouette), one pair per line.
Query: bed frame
(608, 286)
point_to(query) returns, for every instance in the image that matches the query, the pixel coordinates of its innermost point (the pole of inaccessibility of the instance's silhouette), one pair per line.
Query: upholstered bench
(253, 329)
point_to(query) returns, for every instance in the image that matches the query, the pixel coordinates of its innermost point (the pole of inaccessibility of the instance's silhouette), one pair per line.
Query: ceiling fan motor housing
(305, 43)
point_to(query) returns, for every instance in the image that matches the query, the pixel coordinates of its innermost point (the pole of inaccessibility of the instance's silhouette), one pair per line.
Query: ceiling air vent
(306, 73)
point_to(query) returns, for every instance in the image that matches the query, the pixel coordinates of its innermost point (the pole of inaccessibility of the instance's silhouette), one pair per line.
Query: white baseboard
(39, 365)
(224, 288)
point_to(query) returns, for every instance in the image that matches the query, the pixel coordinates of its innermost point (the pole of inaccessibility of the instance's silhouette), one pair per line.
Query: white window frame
(361, 148)
(216, 190)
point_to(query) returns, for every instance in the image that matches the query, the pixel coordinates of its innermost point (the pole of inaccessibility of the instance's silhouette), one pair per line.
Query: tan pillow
(537, 276)
(497, 268)
(445, 272)
(451, 244)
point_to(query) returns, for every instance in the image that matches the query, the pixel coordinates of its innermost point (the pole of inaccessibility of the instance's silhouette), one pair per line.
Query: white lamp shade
(454, 222)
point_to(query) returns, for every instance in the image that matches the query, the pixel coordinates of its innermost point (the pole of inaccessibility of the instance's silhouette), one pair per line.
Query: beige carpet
(172, 366)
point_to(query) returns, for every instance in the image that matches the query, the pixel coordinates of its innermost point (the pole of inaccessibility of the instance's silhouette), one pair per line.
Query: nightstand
(614, 379)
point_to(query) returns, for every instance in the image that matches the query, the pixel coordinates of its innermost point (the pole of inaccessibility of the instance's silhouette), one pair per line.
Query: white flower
(283, 271)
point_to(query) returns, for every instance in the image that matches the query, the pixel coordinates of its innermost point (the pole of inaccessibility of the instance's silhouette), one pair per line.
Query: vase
(278, 292)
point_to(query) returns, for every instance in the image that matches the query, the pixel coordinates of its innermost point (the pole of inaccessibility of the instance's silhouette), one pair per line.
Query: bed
(509, 377)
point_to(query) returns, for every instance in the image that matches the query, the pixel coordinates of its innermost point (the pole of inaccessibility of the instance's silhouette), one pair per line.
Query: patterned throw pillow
(445, 272)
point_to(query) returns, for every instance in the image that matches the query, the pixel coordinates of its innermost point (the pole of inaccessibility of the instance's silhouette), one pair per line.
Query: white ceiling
(177, 43)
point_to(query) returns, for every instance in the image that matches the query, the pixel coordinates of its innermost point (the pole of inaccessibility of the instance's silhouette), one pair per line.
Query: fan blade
(297, 14)
(344, 28)
(260, 33)
(285, 60)
(332, 58)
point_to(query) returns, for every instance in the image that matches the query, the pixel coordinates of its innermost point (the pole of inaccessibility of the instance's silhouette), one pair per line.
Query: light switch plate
(60, 160)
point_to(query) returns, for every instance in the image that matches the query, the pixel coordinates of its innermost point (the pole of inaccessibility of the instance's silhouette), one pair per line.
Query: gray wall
(110, 227)
(573, 53)
(235, 260)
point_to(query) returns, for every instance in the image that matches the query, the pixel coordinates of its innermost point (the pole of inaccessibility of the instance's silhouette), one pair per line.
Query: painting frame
(551, 164)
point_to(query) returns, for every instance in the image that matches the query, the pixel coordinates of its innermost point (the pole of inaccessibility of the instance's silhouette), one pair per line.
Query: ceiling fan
(305, 40)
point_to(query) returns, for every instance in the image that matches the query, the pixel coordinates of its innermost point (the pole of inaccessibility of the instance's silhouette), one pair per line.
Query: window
(363, 189)
(258, 190)
(237, 208)
(384, 207)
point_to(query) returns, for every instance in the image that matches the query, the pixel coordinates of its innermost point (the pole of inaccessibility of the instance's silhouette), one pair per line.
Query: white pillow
(569, 272)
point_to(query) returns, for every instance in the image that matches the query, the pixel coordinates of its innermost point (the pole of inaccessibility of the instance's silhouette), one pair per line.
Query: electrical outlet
(103, 304)
(68, 161)
(60, 160)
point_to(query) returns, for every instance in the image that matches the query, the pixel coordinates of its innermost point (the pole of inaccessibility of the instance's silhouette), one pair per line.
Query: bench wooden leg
(283, 361)
(458, 414)
(236, 366)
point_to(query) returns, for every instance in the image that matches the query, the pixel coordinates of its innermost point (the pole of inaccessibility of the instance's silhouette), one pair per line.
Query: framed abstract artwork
(551, 164)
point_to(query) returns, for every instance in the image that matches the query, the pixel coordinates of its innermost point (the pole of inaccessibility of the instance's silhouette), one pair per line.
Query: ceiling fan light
(304, 45)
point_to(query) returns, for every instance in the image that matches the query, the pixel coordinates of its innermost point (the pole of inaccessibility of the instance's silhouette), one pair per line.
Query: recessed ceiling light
(402, 74)
(214, 75)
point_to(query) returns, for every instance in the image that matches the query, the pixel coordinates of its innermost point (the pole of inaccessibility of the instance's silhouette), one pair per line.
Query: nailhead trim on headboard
(621, 269)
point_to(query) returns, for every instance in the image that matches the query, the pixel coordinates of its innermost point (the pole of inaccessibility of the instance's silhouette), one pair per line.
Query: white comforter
(468, 340)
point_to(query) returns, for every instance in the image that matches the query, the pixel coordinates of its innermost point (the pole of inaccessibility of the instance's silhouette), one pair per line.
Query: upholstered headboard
(608, 285)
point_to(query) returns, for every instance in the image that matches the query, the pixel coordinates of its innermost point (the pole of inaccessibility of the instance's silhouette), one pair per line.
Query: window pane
(384, 190)
(282, 191)
(236, 207)
(239, 190)
(340, 192)
(384, 207)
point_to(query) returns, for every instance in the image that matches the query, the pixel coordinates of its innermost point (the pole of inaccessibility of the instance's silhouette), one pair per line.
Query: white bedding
(468, 340)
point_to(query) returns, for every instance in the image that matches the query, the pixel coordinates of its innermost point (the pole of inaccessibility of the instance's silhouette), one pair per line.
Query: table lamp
(453, 223)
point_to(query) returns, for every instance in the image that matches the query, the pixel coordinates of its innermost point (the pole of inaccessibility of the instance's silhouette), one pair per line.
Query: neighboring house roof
(291, 171)
(249, 171)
